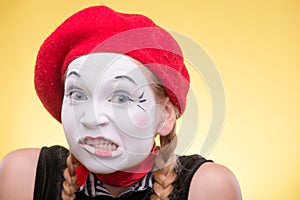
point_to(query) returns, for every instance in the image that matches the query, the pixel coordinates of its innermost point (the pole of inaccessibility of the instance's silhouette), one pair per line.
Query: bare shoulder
(213, 182)
(17, 174)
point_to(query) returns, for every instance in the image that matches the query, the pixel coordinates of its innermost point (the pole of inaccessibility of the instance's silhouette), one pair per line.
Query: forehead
(104, 63)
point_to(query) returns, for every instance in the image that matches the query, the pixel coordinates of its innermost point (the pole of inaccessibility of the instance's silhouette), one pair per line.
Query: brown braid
(165, 162)
(70, 183)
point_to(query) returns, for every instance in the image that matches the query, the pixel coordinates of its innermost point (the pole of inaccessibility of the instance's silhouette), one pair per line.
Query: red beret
(101, 29)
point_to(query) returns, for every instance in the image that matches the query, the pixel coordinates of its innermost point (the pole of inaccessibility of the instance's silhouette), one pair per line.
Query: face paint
(109, 112)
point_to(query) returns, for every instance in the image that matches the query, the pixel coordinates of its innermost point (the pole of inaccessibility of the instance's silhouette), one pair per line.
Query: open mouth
(99, 146)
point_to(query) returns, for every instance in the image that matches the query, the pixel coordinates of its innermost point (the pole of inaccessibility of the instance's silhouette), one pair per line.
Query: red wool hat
(101, 29)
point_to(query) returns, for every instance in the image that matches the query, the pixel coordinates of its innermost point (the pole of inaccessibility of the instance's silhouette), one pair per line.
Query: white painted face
(109, 113)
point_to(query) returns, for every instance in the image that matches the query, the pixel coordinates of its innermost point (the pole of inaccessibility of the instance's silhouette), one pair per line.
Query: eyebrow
(126, 77)
(74, 73)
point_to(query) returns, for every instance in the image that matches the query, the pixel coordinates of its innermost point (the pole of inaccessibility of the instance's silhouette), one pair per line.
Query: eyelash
(116, 98)
(127, 99)
(76, 95)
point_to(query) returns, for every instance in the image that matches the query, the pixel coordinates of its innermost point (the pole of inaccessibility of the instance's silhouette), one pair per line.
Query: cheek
(69, 123)
(141, 119)
(148, 120)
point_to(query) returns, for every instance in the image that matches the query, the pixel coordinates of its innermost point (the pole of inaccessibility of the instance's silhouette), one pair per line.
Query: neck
(120, 179)
(116, 190)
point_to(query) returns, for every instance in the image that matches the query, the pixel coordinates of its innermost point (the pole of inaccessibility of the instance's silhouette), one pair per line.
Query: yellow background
(255, 45)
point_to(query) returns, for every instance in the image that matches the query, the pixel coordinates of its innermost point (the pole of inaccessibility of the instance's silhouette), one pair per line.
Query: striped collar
(93, 187)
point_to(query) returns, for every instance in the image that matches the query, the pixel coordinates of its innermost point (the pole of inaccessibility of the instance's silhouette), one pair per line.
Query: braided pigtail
(165, 162)
(70, 183)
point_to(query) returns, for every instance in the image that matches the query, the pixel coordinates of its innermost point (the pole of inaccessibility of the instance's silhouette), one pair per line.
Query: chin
(101, 170)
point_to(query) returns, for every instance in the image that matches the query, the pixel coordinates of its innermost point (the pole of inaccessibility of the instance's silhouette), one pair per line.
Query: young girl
(116, 82)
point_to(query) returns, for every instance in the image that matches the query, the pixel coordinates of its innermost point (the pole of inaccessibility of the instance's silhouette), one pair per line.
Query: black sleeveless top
(52, 163)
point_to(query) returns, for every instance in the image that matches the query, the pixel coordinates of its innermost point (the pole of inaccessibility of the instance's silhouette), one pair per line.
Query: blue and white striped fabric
(93, 187)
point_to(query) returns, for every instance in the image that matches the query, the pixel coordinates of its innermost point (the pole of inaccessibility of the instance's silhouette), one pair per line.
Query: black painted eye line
(141, 108)
(142, 100)
(130, 99)
(141, 96)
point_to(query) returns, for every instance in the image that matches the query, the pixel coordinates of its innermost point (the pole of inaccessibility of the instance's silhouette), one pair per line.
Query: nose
(91, 119)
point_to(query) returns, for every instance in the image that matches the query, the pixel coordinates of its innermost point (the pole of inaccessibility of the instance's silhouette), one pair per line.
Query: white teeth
(102, 144)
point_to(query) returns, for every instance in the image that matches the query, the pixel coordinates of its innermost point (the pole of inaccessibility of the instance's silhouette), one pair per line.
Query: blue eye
(120, 98)
(77, 95)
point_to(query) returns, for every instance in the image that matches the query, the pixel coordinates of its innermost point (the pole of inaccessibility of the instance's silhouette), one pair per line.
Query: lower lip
(102, 152)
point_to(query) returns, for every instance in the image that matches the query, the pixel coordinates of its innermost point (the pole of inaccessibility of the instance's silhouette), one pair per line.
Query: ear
(168, 119)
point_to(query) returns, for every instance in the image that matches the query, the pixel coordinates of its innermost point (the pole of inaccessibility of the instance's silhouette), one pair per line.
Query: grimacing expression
(109, 113)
